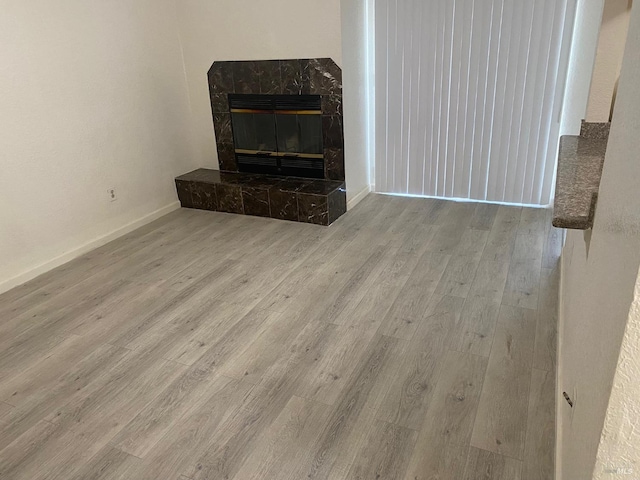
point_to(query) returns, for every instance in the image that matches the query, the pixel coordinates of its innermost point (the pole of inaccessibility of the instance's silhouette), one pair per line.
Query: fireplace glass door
(278, 134)
(254, 132)
(299, 134)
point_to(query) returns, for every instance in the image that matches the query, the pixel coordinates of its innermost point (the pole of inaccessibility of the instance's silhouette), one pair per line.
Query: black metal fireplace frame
(273, 161)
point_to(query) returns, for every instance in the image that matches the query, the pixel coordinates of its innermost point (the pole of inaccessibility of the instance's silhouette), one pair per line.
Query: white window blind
(467, 94)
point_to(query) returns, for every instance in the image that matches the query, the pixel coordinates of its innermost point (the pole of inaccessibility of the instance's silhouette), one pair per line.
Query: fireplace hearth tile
(243, 179)
(305, 71)
(232, 178)
(320, 187)
(294, 184)
(222, 125)
(293, 81)
(332, 104)
(286, 198)
(219, 102)
(332, 131)
(325, 76)
(334, 163)
(313, 209)
(227, 157)
(259, 181)
(202, 175)
(229, 198)
(283, 204)
(283, 198)
(246, 77)
(204, 196)
(337, 201)
(269, 74)
(184, 193)
(256, 201)
(221, 78)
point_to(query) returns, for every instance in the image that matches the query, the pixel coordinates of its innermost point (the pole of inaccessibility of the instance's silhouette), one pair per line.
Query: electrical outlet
(112, 194)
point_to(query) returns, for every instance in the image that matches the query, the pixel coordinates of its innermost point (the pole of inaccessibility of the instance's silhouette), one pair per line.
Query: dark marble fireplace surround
(289, 198)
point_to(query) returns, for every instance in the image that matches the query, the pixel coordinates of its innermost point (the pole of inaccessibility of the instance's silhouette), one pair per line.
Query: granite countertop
(580, 163)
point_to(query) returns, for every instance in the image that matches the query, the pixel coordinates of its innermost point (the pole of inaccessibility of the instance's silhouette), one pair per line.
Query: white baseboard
(24, 277)
(358, 197)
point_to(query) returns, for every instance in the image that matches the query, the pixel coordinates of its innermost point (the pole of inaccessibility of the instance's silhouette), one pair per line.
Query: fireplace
(294, 102)
(278, 134)
(280, 142)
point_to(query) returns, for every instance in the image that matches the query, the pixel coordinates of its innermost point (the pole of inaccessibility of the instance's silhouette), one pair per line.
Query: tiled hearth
(285, 198)
(319, 201)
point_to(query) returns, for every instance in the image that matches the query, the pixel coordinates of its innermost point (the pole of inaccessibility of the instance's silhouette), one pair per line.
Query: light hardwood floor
(413, 339)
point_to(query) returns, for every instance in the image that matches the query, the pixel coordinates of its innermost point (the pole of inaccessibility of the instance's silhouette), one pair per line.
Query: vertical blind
(467, 96)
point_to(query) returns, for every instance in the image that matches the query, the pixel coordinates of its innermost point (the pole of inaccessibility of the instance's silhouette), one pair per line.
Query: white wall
(93, 96)
(599, 272)
(356, 75)
(620, 440)
(581, 62)
(613, 35)
(619, 449)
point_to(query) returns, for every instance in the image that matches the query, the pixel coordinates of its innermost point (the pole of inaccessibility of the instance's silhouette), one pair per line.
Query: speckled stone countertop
(579, 170)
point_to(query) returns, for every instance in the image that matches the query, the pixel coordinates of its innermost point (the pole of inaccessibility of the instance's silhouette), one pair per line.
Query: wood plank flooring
(413, 339)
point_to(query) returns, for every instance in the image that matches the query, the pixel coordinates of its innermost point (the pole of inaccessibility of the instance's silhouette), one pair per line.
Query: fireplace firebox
(278, 134)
